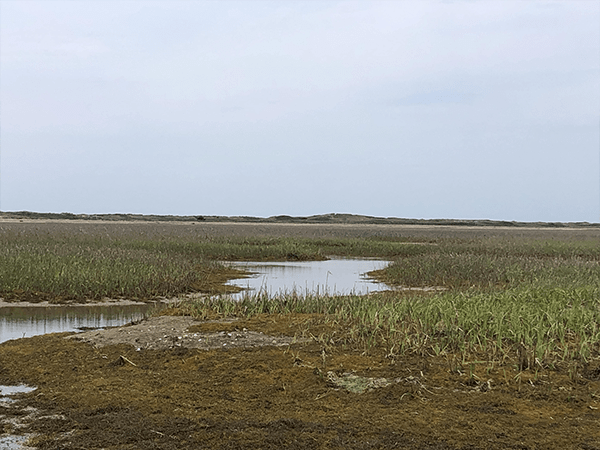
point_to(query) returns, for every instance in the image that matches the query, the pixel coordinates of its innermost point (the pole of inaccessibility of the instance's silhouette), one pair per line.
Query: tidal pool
(26, 321)
(332, 277)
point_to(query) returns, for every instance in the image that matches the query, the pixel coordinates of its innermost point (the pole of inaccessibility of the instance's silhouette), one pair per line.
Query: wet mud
(92, 394)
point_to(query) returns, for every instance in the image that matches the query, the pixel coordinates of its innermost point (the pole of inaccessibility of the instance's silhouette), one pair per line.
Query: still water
(333, 277)
(18, 321)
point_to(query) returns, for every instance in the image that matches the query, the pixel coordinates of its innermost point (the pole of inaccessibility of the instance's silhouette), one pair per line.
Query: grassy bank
(64, 272)
(535, 329)
(498, 263)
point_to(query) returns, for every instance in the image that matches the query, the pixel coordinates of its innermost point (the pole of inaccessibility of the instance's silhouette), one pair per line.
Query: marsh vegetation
(502, 297)
(56, 266)
(515, 319)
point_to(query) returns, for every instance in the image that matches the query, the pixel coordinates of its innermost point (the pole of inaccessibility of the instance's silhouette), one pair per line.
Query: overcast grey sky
(441, 109)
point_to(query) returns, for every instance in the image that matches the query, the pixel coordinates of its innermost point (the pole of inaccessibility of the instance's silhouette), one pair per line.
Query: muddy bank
(106, 302)
(112, 395)
(47, 304)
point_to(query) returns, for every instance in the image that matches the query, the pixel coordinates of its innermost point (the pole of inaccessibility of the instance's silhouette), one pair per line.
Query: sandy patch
(166, 332)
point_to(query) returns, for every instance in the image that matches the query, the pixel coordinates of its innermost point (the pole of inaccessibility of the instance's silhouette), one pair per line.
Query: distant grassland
(534, 300)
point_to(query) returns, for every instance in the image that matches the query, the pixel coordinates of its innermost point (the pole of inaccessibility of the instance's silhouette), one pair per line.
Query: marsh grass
(492, 264)
(282, 249)
(61, 267)
(537, 328)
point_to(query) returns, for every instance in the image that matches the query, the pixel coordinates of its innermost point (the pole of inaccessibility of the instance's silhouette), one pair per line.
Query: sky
(416, 109)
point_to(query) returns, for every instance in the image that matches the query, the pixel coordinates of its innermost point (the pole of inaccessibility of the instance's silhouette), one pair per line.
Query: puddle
(11, 390)
(332, 277)
(13, 442)
(7, 391)
(22, 321)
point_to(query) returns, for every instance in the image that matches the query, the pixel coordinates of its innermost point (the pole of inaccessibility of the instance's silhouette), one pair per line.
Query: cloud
(379, 107)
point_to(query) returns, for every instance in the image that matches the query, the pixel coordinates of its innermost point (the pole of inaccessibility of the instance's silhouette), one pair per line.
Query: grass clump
(493, 264)
(62, 268)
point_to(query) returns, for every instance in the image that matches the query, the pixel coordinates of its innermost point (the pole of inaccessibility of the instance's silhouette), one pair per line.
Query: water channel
(334, 276)
(26, 321)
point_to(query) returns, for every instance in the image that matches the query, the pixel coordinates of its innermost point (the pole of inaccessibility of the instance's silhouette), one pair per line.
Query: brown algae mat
(291, 393)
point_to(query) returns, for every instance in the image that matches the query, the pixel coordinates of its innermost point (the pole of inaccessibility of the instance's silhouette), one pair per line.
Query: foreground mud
(101, 394)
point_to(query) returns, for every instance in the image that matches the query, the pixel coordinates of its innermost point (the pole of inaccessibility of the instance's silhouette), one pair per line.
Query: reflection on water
(17, 321)
(335, 276)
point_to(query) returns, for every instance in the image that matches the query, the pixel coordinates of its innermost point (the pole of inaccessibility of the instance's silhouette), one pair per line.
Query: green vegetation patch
(79, 268)
(534, 328)
(496, 263)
